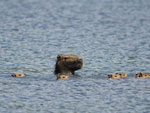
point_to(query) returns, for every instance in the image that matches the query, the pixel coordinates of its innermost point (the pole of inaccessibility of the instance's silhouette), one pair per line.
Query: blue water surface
(111, 36)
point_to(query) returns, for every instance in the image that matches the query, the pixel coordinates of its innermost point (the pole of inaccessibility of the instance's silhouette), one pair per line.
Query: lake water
(110, 35)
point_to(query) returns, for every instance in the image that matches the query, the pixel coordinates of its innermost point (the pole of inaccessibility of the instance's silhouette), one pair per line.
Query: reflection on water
(111, 36)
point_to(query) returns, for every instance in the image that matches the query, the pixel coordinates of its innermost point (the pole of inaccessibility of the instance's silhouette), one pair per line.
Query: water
(111, 36)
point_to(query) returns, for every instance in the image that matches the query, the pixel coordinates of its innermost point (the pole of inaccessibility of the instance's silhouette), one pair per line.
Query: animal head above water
(114, 76)
(123, 75)
(63, 77)
(18, 75)
(68, 64)
(142, 75)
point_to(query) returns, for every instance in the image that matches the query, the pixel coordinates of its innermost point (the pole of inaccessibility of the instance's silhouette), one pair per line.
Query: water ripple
(111, 36)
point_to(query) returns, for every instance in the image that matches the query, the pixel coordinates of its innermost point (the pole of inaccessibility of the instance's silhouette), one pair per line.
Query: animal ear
(58, 57)
(109, 75)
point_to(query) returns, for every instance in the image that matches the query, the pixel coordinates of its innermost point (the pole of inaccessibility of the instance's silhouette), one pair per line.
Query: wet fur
(67, 64)
(142, 75)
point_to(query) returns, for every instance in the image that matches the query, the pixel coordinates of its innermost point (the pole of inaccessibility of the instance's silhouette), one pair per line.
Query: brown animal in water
(142, 75)
(63, 77)
(114, 76)
(18, 75)
(117, 76)
(67, 64)
(123, 75)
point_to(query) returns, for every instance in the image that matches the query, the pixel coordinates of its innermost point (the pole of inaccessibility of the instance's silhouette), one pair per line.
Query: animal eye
(65, 58)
